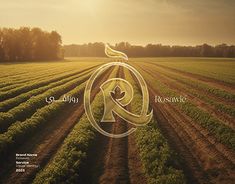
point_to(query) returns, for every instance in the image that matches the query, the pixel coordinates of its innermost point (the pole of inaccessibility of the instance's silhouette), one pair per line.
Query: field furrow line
(28, 108)
(189, 131)
(225, 118)
(31, 79)
(204, 151)
(78, 142)
(151, 142)
(25, 76)
(202, 131)
(26, 88)
(115, 166)
(208, 80)
(13, 102)
(222, 132)
(217, 94)
(51, 141)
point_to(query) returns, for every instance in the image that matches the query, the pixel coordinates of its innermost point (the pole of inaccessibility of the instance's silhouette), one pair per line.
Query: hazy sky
(183, 22)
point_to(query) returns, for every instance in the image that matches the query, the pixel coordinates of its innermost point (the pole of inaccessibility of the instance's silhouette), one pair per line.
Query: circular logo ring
(87, 102)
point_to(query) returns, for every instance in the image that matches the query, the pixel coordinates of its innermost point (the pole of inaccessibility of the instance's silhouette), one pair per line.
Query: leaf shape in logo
(114, 53)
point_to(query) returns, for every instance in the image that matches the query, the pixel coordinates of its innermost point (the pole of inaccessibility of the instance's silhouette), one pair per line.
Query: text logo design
(117, 105)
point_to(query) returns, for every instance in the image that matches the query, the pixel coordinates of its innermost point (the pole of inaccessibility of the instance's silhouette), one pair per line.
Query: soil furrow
(226, 119)
(24, 89)
(46, 142)
(113, 160)
(220, 147)
(135, 167)
(199, 91)
(190, 166)
(116, 158)
(198, 144)
(211, 81)
(35, 78)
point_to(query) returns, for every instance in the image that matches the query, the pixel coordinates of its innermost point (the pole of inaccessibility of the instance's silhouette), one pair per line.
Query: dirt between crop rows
(199, 91)
(212, 96)
(230, 154)
(46, 141)
(208, 80)
(207, 160)
(113, 160)
(225, 118)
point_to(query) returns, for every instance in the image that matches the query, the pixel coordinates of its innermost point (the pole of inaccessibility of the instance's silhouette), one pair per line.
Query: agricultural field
(184, 143)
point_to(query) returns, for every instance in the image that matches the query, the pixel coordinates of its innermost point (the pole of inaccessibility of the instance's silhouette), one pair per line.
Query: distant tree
(2, 54)
(54, 44)
(40, 40)
(207, 50)
(29, 44)
(152, 50)
(26, 43)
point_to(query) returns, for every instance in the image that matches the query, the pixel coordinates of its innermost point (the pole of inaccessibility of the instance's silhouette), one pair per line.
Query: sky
(169, 22)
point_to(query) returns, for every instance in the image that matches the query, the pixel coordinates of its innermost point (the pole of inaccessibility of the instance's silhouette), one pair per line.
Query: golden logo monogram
(117, 106)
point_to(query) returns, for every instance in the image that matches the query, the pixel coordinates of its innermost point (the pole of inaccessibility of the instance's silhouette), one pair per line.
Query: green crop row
(14, 72)
(10, 87)
(220, 107)
(160, 162)
(20, 131)
(32, 78)
(214, 68)
(198, 85)
(26, 109)
(21, 71)
(9, 74)
(221, 132)
(27, 76)
(25, 88)
(31, 85)
(10, 103)
(64, 168)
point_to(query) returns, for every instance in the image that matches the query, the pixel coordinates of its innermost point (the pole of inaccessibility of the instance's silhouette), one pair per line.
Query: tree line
(151, 50)
(30, 44)
(27, 44)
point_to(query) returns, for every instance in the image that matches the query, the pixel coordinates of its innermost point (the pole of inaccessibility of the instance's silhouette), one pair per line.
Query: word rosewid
(174, 99)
